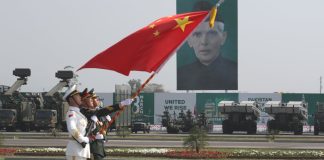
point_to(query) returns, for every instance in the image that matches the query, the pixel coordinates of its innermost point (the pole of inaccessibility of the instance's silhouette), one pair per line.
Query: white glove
(85, 139)
(108, 118)
(99, 136)
(94, 127)
(94, 119)
(126, 102)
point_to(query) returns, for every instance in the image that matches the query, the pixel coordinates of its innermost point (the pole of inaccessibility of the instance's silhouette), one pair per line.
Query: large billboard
(174, 103)
(208, 59)
(143, 105)
(261, 99)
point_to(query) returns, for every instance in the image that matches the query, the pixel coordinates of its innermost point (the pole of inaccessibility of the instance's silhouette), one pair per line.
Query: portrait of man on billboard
(210, 66)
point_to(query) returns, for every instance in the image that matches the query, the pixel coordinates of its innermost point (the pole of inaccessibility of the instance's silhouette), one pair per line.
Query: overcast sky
(280, 41)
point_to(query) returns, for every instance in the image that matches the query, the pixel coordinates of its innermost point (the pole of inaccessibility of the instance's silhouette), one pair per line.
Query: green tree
(135, 84)
(196, 140)
(123, 131)
(1, 139)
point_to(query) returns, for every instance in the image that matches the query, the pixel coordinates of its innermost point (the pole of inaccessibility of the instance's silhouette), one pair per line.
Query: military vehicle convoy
(319, 118)
(289, 116)
(184, 122)
(28, 111)
(239, 116)
(51, 115)
(17, 110)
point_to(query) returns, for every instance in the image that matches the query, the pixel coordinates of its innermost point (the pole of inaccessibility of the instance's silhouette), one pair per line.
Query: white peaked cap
(69, 91)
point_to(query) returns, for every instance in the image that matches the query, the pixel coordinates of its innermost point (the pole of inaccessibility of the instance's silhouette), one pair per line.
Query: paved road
(161, 143)
(63, 158)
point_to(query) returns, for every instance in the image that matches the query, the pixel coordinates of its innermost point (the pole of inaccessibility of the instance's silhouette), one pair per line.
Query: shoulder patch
(110, 108)
(71, 115)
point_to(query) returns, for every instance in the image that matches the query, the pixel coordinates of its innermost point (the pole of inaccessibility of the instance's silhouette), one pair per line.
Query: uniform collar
(75, 108)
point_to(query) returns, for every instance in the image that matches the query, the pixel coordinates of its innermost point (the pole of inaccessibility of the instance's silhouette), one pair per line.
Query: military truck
(319, 118)
(51, 115)
(239, 116)
(289, 116)
(140, 126)
(140, 122)
(17, 110)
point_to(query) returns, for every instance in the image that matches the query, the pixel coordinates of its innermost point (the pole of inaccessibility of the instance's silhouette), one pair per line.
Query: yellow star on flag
(182, 23)
(156, 33)
(152, 26)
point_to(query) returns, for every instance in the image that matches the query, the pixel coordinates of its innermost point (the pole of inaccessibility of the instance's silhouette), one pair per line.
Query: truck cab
(239, 116)
(8, 119)
(45, 119)
(140, 126)
(289, 116)
(319, 118)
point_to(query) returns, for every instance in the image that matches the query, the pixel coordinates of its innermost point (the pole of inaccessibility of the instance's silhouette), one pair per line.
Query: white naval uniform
(76, 125)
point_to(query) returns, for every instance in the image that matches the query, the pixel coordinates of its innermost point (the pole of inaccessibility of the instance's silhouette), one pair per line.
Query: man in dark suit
(211, 71)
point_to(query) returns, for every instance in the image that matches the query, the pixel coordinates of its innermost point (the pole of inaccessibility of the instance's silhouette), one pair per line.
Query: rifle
(83, 144)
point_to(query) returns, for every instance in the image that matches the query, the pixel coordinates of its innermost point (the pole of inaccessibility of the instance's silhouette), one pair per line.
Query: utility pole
(321, 85)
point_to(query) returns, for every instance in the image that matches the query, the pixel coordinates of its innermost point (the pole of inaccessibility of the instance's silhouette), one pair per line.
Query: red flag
(149, 47)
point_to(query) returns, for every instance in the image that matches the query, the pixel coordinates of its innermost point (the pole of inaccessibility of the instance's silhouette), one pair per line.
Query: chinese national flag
(149, 47)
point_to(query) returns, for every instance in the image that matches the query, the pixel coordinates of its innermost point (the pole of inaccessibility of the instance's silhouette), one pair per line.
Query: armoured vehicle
(183, 122)
(51, 114)
(186, 121)
(319, 118)
(289, 116)
(239, 117)
(171, 123)
(17, 110)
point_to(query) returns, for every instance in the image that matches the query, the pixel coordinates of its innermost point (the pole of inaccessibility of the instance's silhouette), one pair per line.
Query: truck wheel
(226, 127)
(26, 128)
(316, 129)
(298, 129)
(11, 129)
(301, 126)
(252, 128)
(23, 129)
(37, 129)
(270, 127)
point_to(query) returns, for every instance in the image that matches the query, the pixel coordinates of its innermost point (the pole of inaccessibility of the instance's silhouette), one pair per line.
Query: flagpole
(143, 85)
(105, 127)
(219, 3)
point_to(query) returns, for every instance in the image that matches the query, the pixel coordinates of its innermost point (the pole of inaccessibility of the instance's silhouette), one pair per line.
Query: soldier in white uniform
(78, 146)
